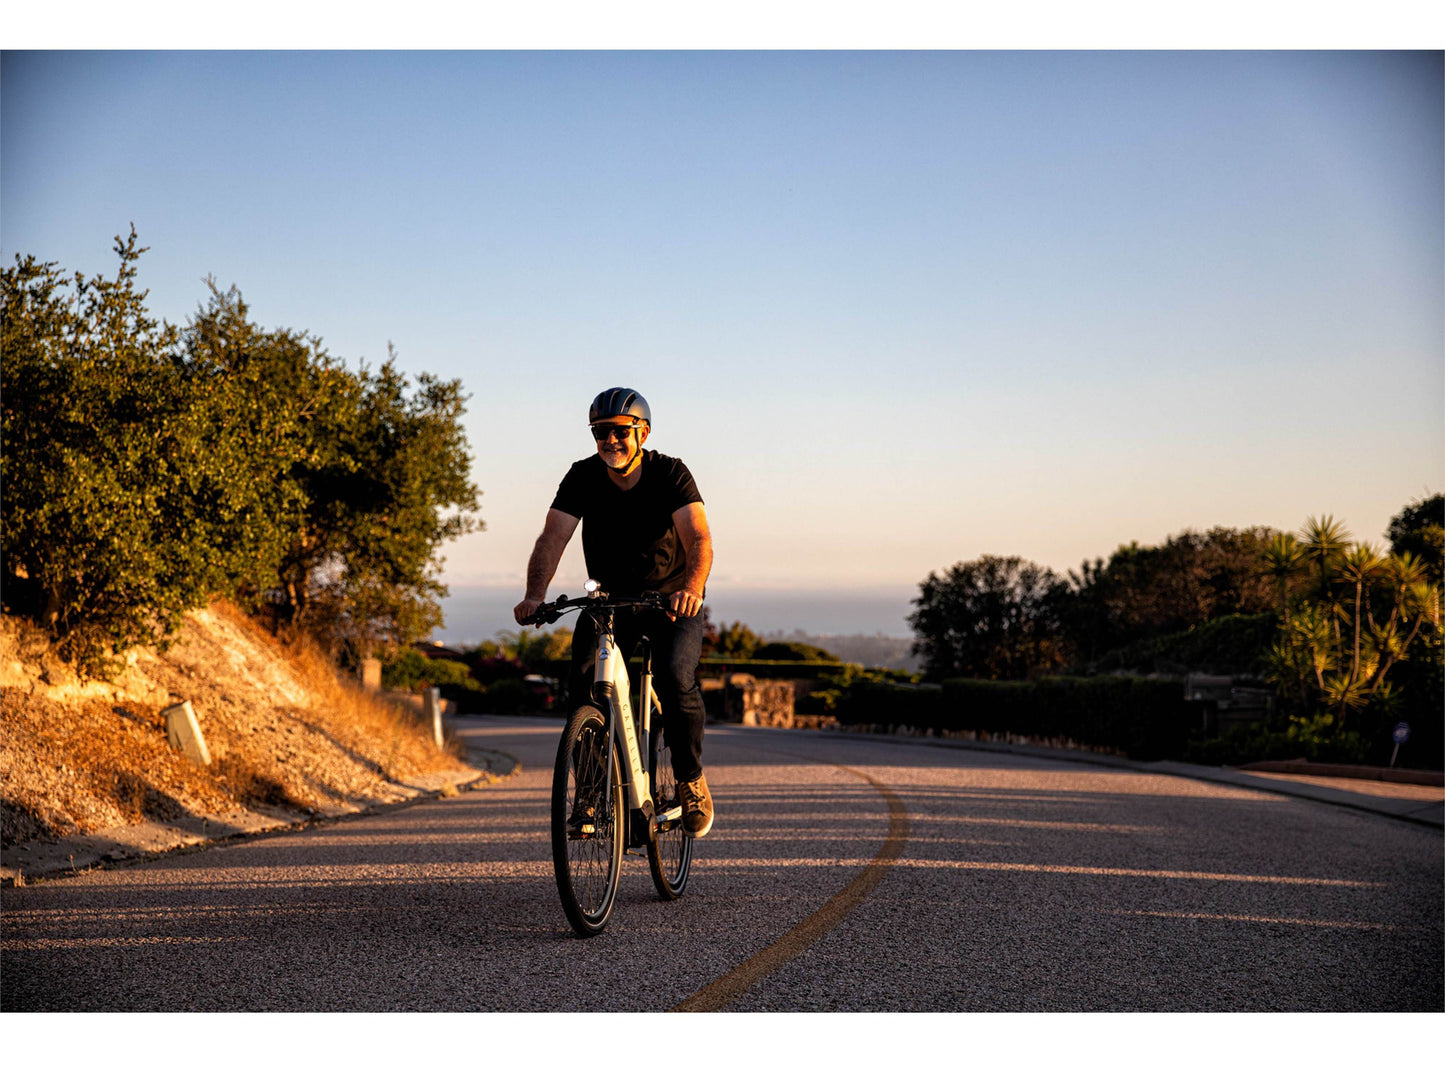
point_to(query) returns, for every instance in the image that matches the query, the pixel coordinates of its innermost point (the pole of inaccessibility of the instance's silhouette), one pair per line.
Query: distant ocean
(474, 614)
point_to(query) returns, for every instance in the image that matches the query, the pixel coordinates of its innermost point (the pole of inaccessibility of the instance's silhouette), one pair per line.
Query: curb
(68, 856)
(1348, 771)
(1413, 811)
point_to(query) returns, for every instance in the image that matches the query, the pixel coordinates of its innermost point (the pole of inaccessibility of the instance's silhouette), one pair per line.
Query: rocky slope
(288, 738)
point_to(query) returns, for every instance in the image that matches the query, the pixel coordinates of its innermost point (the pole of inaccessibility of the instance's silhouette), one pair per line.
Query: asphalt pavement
(40, 859)
(844, 874)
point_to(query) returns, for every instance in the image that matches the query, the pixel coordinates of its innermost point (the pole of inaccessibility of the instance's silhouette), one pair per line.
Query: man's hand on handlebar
(532, 611)
(683, 604)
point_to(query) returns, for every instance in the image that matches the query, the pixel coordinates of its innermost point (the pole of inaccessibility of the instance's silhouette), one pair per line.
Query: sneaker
(582, 824)
(696, 807)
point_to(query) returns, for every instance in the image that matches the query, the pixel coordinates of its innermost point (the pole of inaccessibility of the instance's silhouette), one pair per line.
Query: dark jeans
(676, 648)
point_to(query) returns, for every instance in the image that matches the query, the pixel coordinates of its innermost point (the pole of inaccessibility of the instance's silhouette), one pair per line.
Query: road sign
(1401, 735)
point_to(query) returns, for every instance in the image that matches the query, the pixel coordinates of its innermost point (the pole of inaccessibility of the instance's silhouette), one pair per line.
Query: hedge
(776, 669)
(1144, 719)
(1233, 644)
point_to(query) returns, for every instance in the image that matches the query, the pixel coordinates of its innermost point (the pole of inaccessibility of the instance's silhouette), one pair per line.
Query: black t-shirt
(628, 537)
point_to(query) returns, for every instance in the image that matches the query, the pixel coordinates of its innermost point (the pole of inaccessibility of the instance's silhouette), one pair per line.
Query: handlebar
(549, 612)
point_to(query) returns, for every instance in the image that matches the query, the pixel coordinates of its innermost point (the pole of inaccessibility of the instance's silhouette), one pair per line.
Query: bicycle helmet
(615, 402)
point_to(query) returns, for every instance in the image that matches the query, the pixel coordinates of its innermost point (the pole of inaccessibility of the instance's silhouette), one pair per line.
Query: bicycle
(605, 800)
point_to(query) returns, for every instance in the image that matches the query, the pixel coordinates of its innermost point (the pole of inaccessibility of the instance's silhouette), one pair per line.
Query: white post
(434, 705)
(184, 732)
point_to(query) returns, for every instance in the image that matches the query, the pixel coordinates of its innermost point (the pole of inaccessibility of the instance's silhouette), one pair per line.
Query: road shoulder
(1423, 805)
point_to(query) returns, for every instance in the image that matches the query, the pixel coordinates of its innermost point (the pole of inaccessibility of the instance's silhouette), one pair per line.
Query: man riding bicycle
(643, 529)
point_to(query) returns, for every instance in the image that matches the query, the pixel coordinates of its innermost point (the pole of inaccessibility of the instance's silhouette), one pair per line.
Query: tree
(130, 487)
(990, 618)
(737, 641)
(385, 482)
(1283, 557)
(1360, 617)
(264, 389)
(147, 468)
(1419, 528)
(368, 479)
(1143, 592)
(537, 650)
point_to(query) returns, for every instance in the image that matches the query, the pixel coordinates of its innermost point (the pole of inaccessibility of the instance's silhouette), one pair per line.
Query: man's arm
(691, 523)
(542, 565)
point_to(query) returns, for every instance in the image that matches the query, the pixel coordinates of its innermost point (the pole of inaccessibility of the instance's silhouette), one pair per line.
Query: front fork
(610, 687)
(632, 742)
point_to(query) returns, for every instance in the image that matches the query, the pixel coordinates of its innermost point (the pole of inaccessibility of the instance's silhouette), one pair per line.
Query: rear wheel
(669, 853)
(587, 822)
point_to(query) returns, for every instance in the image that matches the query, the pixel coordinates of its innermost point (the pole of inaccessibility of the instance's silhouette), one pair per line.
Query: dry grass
(387, 729)
(283, 729)
(89, 766)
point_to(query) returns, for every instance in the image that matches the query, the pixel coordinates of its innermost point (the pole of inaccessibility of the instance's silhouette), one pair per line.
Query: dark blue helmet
(615, 402)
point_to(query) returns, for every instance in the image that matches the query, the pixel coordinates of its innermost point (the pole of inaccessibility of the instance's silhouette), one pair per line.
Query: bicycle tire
(587, 866)
(669, 851)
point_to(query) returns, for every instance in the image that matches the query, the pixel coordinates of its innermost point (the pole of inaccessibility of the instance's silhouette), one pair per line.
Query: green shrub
(818, 702)
(778, 669)
(893, 706)
(412, 671)
(1318, 739)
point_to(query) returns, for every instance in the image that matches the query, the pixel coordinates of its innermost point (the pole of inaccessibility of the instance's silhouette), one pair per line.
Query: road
(843, 874)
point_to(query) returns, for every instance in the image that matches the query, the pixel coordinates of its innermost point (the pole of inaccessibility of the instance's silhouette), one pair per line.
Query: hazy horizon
(475, 613)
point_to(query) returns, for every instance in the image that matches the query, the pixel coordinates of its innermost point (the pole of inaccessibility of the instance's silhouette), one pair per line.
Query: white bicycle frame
(611, 682)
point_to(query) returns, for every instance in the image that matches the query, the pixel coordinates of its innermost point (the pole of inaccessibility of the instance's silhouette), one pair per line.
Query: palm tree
(1324, 540)
(1308, 648)
(1357, 566)
(1282, 556)
(1344, 669)
(1343, 691)
(1416, 601)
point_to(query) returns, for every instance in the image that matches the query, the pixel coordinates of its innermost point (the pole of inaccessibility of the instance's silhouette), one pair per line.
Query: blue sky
(894, 309)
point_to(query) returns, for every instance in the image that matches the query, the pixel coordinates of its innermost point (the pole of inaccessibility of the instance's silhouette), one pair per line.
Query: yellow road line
(718, 995)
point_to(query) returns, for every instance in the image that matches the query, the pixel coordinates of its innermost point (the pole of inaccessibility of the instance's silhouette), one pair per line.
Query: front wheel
(587, 822)
(669, 852)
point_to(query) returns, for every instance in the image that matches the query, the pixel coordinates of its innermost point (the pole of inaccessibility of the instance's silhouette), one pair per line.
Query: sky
(894, 309)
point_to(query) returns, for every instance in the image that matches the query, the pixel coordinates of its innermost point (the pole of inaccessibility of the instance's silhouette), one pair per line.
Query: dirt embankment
(289, 738)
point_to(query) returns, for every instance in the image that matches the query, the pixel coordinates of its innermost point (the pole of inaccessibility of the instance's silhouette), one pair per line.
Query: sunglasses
(602, 432)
